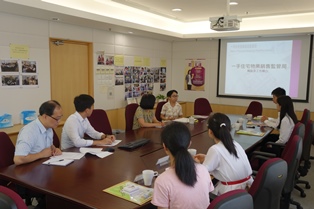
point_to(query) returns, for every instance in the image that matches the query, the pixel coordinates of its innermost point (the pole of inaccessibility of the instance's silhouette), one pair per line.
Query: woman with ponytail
(226, 160)
(185, 184)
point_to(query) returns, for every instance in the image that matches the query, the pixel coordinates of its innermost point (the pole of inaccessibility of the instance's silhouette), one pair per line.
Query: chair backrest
(130, 110)
(255, 108)
(233, 199)
(56, 140)
(7, 150)
(292, 154)
(268, 184)
(305, 116)
(299, 129)
(307, 141)
(99, 120)
(202, 107)
(10, 199)
(158, 110)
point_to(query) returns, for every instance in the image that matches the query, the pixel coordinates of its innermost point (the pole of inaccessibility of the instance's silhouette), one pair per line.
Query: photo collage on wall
(140, 80)
(137, 80)
(19, 73)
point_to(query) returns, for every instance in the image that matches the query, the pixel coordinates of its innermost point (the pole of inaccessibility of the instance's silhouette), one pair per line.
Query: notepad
(62, 162)
(250, 132)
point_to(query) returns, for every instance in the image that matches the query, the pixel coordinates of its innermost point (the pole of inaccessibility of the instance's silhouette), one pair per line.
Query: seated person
(172, 109)
(287, 121)
(185, 184)
(277, 92)
(145, 115)
(225, 160)
(77, 125)
(35, 140)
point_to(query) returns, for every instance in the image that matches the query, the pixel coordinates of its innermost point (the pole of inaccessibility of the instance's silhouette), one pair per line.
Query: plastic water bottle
(191, 120)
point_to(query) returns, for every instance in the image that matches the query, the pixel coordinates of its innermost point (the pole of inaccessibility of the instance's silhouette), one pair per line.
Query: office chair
(158, 110)
(291, 154)
(255, 108)
(202, 107)
(305, 158)
(305, 116)
(99, 120)
(130, 110)
(233, 199)
(268, 184)
(10, 199)
(7, 150)
(56, 140)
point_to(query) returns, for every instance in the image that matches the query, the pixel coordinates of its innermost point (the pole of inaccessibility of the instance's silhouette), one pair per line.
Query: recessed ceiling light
(176, 10)
(130, 32)
(233, 3)
(55, 19)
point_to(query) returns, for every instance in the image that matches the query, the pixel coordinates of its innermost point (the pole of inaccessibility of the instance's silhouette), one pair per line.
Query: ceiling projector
(226, 23)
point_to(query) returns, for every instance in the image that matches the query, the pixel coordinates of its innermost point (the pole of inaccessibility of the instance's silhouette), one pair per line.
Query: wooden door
(71, 72)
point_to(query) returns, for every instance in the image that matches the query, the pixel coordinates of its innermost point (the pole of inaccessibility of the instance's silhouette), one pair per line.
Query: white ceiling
(155, 19)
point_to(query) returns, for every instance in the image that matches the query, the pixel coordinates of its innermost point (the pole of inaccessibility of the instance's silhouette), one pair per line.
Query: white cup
(191, 120)
(241, 120)
(249, 116)
(148, 176)
(192, 152)
(237, 126)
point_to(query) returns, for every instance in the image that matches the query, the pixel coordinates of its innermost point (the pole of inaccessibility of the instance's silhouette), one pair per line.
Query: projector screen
(252, 68)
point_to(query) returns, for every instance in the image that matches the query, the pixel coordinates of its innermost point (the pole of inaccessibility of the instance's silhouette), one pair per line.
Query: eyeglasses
(175, 96)
(58, 120)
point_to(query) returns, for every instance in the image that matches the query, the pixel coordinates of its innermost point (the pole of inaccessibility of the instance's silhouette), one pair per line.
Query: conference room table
(80, 184)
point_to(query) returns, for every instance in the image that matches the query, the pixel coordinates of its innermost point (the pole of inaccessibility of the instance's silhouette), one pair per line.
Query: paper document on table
(69, 155)
(92, 151)
(104, 154)
(250, 132)
(60, 162)
(117, 141)
(182, 120)
(200, 116)
(163, 160)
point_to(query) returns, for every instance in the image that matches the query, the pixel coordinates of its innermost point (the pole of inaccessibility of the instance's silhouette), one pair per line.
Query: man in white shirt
(77, 125)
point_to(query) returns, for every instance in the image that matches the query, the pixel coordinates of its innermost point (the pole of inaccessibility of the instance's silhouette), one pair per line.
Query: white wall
(36, 33)
(209, 51)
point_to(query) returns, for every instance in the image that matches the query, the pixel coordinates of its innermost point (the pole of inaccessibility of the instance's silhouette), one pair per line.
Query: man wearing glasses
(35, 140)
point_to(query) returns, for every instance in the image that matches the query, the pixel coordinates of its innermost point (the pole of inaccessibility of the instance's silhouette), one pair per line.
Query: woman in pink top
(185, 184)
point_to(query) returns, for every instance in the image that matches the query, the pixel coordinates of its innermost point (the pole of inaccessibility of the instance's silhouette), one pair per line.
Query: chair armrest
(281, 145)
(212, 196)
(266, 154)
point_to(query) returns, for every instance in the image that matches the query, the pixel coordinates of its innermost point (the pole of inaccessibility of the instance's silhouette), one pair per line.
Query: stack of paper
(131, 191)
(95, 151)
(250, 132)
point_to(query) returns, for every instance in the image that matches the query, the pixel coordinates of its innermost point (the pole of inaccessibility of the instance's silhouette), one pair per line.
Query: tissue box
(27, 116)
(6, 121)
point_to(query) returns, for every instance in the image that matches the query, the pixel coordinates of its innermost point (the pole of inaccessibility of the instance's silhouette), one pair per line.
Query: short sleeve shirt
(148, 116)
(170, 111)
(170, 192)
(33, 138)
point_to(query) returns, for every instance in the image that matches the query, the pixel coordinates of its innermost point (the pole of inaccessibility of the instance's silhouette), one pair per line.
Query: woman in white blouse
(287, 121)
(226, 160)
